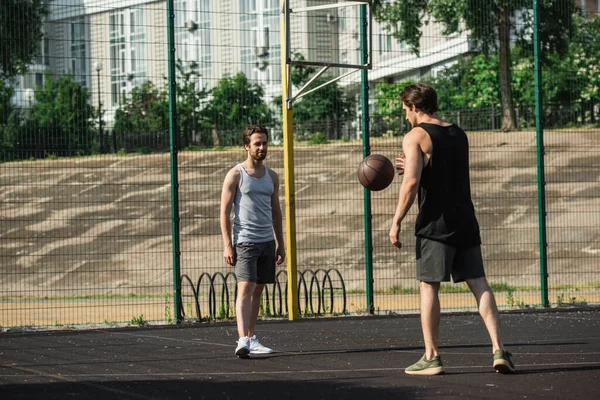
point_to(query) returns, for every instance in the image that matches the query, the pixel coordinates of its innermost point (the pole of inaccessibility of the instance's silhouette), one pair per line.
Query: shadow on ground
(185, 389)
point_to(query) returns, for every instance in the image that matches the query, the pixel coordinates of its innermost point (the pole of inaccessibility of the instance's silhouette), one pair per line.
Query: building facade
(112, 46)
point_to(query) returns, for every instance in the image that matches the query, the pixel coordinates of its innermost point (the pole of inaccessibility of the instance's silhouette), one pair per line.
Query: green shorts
(437, 261)
(255, 262)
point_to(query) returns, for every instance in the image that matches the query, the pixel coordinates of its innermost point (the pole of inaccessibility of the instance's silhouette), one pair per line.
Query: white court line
(307, 352)
(87, 190)
(195, 341)
(308, 371)
(67, 378)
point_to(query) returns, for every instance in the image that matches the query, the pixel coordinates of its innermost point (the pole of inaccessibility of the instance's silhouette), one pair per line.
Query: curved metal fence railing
(320, 292)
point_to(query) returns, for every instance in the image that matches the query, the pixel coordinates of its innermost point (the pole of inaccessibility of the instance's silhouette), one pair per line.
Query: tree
(61, 120)
(21, 30)
(490, 24)
(6, 109)
(189, 101)
(470, 84)
(9, 121)
(144, 110)
(235, 104)
(324, 109)
(586, 56)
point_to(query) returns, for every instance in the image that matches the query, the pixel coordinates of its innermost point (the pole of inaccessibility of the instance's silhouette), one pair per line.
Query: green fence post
(541, 181)
(366, 151)
(174, 145)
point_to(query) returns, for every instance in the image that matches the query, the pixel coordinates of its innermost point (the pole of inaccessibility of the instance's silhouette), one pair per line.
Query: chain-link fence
(88, 230)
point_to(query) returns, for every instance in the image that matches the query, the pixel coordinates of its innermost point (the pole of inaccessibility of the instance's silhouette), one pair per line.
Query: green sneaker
(503, 362)
(426, 367)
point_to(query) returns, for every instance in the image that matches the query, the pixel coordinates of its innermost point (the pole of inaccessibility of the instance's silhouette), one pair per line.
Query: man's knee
(478, 284)
(258, 289)
(246, 288)
(429, 287)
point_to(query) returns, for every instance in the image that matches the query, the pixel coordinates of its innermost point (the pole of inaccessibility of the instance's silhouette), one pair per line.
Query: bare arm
(230, 185)
(412, 166)
(277, 219)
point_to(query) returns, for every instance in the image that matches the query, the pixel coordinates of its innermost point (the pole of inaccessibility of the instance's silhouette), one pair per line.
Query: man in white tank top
(251, 190)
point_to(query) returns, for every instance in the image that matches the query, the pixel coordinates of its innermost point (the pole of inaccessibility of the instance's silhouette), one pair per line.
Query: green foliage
(501, 287)
(189, 101)
(301, 73)
(388, 97)
(222, 314)
(21, 23)
(236, 103)
(9, 122)
(323, 110)
(6, 109)
(318, 138)
(145, 109)
(586, 56)
(472, 82)
(144, 150)
(61, 119)
(483, 20)
(139, 321)
(556, 26)
(403, 19)
(569, 300)
(168, 314)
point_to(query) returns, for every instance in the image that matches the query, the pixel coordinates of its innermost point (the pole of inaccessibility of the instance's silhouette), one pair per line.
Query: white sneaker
(243, 348)
(257, 348)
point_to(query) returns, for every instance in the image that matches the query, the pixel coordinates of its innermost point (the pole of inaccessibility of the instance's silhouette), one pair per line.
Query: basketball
(376, 172)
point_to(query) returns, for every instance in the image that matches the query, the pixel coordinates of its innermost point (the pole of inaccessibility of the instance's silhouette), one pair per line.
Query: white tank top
(252, 218)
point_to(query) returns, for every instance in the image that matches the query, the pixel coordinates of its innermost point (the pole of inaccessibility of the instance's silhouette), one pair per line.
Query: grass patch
(139, 321)
(85, 297)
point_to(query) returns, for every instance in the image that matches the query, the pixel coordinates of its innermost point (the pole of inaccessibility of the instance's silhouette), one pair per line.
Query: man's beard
(260, 156)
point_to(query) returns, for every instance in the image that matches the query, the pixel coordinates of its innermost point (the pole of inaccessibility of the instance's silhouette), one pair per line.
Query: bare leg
(255, 308)
(486, 303)
(430, 317)
(243, 307)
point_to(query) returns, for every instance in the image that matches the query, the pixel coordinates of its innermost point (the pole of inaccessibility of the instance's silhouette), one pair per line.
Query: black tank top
(446, 212)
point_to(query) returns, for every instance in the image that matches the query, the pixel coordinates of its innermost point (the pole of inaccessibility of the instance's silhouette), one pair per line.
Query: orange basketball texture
(376, 172)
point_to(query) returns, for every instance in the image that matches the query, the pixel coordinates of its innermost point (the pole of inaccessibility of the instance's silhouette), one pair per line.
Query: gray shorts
(255, 262)
(436, 261)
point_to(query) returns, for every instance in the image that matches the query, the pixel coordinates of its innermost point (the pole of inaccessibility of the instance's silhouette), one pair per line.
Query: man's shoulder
(233, 174)
(273, 174)
(416, 134)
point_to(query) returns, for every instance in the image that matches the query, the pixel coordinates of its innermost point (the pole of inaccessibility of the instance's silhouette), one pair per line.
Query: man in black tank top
(436, 168)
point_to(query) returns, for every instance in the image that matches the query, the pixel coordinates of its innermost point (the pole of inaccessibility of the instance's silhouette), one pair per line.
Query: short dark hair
(422, 96)
(252, 130)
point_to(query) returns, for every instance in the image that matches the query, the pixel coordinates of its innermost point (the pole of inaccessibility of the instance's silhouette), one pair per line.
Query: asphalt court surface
(557, 354)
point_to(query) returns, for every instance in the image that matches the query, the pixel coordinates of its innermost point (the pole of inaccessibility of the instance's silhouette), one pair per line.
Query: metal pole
(366, 148)
(288, 162)
(100, 133)
(541, 181)
(174, 143)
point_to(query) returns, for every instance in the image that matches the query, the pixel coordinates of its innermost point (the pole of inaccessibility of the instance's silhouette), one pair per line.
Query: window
(39, 79)
(385, 43)
(193, 34)
(42, 55)
(77, 51)
(28, 81)
(127, 52)
(342, 20)
(46, 51)
(259, 38)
